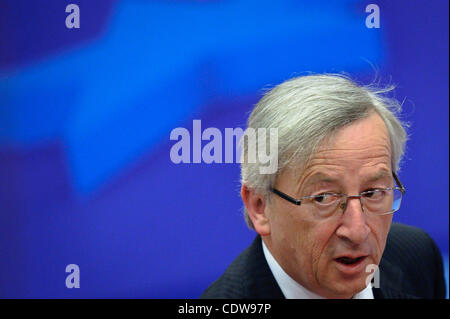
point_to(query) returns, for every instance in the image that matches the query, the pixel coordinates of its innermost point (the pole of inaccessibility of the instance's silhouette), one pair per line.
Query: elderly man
(324, 218)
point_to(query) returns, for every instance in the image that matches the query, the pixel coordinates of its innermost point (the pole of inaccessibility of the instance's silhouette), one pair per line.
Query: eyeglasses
(377, 201)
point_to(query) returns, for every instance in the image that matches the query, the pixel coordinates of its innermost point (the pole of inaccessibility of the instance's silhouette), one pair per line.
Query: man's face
(306, 245)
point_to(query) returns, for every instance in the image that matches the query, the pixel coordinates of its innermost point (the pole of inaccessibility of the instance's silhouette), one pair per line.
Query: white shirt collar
(293, 290)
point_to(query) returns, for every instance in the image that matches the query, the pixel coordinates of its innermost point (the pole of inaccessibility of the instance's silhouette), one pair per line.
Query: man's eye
(375, 193)
(368, 193)
(324, 198)
(319, 198)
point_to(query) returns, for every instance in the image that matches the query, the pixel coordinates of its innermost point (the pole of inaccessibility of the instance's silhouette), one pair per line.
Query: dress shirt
(293, 290)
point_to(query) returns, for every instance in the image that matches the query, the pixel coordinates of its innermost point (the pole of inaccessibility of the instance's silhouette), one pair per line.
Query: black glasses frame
(298, 202)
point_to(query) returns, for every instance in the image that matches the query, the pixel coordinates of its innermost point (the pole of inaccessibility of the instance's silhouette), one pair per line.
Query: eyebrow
(380, 175)
(316, 178)
(320, 177)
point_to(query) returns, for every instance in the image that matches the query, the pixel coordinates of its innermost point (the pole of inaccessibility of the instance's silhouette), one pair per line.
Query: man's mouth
(349, 260)
(351, 265)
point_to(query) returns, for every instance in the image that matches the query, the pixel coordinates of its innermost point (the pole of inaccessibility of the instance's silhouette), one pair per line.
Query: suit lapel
(261, 284)
(388, 293)
(391, 282)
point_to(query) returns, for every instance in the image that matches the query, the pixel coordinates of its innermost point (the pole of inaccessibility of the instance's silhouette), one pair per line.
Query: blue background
(86, 114)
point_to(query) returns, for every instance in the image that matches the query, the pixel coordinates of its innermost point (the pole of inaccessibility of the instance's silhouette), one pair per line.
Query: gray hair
(308, 109)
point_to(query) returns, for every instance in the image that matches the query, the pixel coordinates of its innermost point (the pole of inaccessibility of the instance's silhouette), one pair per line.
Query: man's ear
(256, 206)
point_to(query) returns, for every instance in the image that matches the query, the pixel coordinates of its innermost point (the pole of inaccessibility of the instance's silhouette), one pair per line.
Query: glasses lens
(325, 204)
(397, 200)
(382, 201)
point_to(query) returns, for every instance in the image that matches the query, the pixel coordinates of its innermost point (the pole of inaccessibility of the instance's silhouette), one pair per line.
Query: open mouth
(350, 261)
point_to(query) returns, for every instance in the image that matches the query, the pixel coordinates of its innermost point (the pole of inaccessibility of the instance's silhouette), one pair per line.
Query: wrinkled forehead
(363, 146)
(360, 135)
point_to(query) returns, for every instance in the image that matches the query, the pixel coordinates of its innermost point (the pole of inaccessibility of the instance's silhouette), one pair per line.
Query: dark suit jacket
(411, 267)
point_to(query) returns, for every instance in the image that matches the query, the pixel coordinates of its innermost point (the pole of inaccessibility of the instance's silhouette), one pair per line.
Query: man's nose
(354, 226)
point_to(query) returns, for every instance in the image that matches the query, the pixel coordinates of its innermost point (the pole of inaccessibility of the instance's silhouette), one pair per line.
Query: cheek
(288, 228)
(283, 218)
(323, 237)
(314, 240)
(381, 231)
(298, 233)
(379, 228)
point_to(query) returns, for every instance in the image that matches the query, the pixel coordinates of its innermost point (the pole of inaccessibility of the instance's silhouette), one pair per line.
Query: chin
(345, 288)
(355, 286)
